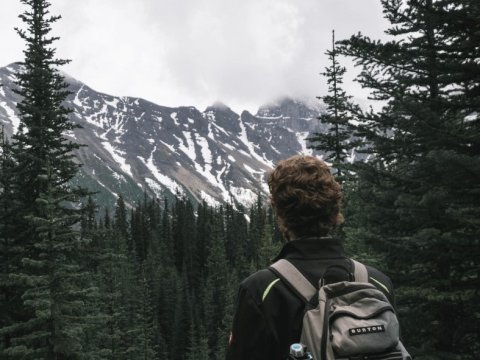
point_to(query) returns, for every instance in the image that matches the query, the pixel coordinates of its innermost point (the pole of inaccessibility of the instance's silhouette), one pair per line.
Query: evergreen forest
(158, 280)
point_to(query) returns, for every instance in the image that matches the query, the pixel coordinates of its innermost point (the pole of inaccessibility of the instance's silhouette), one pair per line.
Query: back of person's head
(305, 196)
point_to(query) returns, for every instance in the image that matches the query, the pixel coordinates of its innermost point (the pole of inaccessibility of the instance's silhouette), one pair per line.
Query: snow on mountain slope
(135, 146)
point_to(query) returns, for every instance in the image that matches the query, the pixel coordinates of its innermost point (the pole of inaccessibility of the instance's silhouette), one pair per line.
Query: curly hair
(305, 197)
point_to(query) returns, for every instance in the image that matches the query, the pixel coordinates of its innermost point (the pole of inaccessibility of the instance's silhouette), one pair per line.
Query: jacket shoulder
(257, 283)
(382, 282)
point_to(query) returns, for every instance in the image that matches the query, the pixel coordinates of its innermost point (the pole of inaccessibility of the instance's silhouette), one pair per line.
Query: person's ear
(340, 219)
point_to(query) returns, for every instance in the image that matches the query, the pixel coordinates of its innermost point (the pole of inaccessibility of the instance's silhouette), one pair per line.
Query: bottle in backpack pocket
(299, 352)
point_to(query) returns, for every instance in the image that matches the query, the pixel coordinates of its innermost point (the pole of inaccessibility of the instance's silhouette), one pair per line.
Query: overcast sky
(195, 52)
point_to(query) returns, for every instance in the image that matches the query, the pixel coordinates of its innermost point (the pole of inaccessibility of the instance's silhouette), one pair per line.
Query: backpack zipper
(332, 295)
(375, 313)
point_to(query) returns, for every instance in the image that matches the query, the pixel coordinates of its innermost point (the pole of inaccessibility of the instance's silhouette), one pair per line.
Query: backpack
(352, 319)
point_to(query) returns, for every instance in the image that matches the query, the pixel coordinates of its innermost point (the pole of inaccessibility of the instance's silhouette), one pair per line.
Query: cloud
(194, 52)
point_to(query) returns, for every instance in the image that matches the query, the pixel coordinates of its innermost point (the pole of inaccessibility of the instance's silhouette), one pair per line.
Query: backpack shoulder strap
(294, 278)
(360, 271)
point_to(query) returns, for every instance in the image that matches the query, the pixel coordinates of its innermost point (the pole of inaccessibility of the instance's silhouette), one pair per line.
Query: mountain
(136, 146)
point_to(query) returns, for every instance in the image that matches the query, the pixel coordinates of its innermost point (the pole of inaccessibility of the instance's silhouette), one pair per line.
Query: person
(268, 316)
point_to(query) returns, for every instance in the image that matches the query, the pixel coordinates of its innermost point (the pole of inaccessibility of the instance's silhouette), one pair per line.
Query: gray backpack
(353, 319)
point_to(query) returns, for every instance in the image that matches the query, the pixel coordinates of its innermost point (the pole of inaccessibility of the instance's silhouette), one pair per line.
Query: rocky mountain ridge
(136, 146)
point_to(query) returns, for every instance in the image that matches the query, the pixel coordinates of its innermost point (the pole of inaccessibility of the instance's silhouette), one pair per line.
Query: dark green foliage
(88, 215)
(171, 295)
(183, 225)
(257, 223)
(57, 288)
(148, 307)
(419, 194)
(236, 240)
(45, 252)
(9, 253)
(337, 142)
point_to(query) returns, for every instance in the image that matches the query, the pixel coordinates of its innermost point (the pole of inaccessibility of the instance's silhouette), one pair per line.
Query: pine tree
(94, 258)
(236, 235)
(110, 334)
(9, 293)
(337, 142)
(166, 233)
(44, 119)
(229, 292)
(255, 231)
(203, 227)
(154, 269)
(268, 248)
(215, 283)
(45, 273)
(145, 320)
(419, 189)
(183, 227)
(107, 219)
(58, 287)
(181, 315)
(88, 221)
(198, 349)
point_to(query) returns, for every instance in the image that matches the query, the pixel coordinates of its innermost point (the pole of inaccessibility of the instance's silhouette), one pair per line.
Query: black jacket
(268, 317)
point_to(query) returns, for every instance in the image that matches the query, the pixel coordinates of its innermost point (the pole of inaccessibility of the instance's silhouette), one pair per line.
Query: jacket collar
(312, 248)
